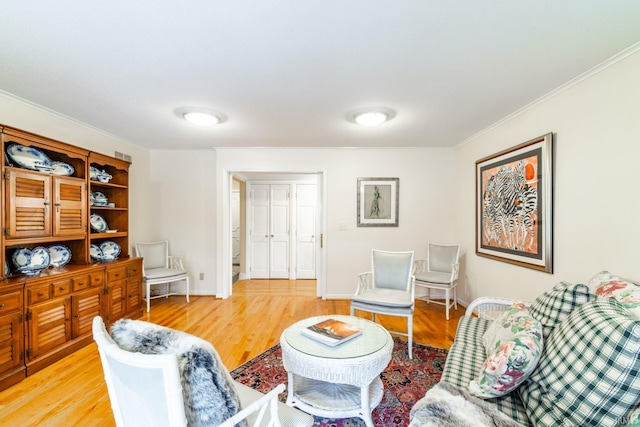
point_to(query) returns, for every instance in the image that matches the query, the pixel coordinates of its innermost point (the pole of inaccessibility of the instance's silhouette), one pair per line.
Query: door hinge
(5, 231)
(28, 316)
(21, 356)
(5, 175)
(29, 352)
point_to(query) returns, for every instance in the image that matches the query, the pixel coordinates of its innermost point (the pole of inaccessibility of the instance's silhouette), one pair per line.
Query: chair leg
(455, 299)
(352, 311)
(148, 297)
(410, 337)
(446, 300)
(187, 280)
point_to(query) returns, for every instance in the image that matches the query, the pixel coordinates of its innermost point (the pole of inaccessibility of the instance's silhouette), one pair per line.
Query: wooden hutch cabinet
(44, 318)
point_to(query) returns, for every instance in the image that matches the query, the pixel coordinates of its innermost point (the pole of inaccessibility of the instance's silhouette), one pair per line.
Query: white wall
(183, 189)
(596, 124)
(22, 115)
(426, 188)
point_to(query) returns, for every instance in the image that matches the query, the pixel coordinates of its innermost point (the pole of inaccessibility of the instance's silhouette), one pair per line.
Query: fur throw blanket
(445, 405)
(207, 386)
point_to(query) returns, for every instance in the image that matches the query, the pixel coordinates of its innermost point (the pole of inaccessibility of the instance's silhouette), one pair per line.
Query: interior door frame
(224, 247)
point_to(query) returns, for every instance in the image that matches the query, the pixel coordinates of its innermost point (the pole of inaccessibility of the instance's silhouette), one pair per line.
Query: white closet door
(235, 227)
(259, 231)
(305, 237)
(279, 246)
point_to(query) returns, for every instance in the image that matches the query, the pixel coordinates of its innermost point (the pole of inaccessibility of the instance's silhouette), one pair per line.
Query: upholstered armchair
(388, 289)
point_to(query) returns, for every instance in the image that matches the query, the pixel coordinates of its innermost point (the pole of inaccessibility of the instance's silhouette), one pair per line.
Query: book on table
(332, 332)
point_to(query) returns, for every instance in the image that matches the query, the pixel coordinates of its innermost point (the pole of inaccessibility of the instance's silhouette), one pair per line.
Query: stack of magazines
(331, 332)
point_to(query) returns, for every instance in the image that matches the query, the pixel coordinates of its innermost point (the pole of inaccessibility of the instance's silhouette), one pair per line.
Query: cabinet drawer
(96, 279)
(60, 288)
(9, 302)
(80, 283)
(39, 293)
(116, 274)
(133, 270)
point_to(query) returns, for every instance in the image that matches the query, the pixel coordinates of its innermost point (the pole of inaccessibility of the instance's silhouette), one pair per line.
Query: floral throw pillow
(514, 346)
(607, 285)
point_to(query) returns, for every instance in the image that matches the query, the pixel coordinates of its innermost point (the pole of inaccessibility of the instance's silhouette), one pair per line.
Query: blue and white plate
(110, 250)
(29, 158)
(95, 252)
(29, 260)
(61, 169)
(60, 255)
(98, 223)
(21, 257)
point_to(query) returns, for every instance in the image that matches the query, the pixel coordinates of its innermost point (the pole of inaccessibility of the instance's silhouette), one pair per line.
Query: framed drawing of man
(378, 202)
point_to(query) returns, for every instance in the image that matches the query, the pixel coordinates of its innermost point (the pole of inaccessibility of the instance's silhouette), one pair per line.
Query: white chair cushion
(434, 277)
(384, 297)
(289, 417)
(160, 273)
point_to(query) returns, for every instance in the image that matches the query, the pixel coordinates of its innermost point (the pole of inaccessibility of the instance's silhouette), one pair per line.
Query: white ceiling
(287, 72)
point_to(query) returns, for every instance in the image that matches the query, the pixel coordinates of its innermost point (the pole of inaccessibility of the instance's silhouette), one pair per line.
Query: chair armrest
(175, 263)
(364, 282)
(420, 265)
(490, 307)
(269, 400)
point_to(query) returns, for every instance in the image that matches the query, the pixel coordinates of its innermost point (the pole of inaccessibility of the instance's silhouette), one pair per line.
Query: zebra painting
(510, 207)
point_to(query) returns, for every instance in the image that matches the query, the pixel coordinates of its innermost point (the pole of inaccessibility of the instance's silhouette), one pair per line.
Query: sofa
(570, 358)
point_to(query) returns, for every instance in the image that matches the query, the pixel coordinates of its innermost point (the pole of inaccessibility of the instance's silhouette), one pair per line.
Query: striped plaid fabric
(465, 358)
(555, 305)
(589, 374)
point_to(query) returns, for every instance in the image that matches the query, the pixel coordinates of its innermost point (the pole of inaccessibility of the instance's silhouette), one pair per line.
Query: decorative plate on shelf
(31, 261)
(29, 157)
(98, 223)
(61, 169)
(95, 252)
(21, 257)
(110, 250)
(60, 255)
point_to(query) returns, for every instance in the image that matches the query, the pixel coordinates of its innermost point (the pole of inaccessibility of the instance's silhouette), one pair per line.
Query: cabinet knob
(1, 305)
(62, 288)
(40, 294)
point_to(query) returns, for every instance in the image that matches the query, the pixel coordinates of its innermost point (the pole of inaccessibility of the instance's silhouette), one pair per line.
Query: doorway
(307, 187)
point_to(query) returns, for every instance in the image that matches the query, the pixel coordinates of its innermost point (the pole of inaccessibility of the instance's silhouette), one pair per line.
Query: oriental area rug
(405, 382)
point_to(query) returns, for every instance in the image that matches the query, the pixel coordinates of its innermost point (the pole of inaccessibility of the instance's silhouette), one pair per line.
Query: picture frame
(378, 200)
(514, 205)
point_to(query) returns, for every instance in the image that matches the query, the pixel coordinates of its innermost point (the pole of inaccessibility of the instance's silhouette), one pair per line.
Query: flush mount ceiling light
(371, 116)
(200, 117)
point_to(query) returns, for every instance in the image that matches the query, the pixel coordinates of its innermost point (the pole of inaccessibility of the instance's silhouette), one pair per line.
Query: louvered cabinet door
(28, 211)
(49, 326)
(85, 306)
(69, 207)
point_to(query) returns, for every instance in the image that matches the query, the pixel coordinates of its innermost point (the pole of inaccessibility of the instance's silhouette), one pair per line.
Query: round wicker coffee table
(336, 382)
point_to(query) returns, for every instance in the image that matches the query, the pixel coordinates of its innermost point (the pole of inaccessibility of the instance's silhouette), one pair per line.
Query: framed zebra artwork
(378, 202)
(514, 205)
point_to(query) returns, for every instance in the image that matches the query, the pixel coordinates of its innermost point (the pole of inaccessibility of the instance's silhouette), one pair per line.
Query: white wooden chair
(388, 289)
(439, 271)
(145, 390)
(160, 268)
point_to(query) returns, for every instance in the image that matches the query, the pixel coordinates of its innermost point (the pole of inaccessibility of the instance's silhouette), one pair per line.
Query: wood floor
(72, 392)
